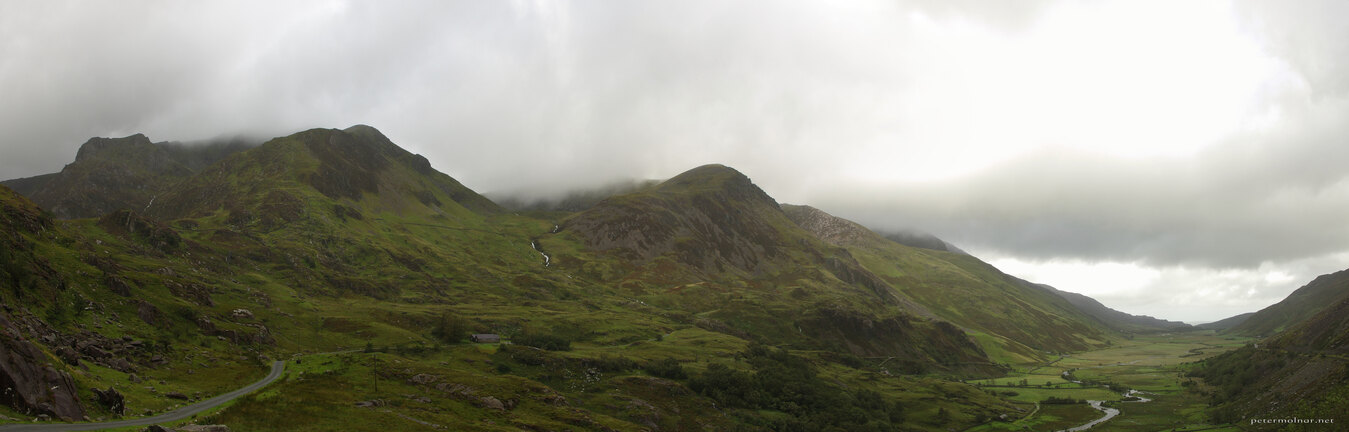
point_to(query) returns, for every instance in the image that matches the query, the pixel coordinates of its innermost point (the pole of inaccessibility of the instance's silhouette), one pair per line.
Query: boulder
(422, 379)
(120, 364)
(149, 313)
(492, 403)
(96, 352)
(242, 313)
(175, 395)
(117, 285)
(112, 399)
(157, 428)
(36, 388)
(68, 355)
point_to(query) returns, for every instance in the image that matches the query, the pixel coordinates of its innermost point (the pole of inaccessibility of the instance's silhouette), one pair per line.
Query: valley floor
(1151, 364)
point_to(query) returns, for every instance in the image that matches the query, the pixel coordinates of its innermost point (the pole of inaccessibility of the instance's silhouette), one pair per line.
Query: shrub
(452, 328)
(667, 368)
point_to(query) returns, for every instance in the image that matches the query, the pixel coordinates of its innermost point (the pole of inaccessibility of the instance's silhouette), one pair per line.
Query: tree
(452, 328)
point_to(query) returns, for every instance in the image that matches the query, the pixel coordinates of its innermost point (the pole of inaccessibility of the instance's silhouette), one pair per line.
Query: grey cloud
(1310, 34)
(1273, 197)
(536, 98)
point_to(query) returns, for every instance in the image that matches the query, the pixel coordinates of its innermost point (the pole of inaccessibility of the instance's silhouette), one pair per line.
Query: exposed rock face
(833, 230)
(112, 399)
(109, 174)
(422, 379)
(149, 313)
(134, 226)
(29, 384)
(492, 403)
(711, 218)
(117, 285)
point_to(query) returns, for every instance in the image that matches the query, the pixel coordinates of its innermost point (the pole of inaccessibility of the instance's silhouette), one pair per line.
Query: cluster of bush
(787, 383)
(1233, 372)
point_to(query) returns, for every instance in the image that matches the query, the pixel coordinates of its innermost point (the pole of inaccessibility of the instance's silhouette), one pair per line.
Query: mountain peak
(368, 133)
(720, 180)
(710, 175)
(98, 146)
(358, 164)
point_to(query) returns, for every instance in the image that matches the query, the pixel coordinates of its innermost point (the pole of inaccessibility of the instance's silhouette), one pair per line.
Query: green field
(1148, 363)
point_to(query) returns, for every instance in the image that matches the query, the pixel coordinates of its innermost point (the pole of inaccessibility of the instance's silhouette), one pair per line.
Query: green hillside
(1303, 303)
(1301, 371)
(695, 303)
(1016, 322)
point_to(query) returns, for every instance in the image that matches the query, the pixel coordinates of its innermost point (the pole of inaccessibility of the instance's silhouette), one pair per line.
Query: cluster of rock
(260, 335)
(28, 381)
(114, 353)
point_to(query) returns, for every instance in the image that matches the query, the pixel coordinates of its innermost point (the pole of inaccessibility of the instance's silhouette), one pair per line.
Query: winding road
(171, 416)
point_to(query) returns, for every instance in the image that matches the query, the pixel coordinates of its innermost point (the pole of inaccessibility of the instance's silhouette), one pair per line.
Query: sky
(1178, 159)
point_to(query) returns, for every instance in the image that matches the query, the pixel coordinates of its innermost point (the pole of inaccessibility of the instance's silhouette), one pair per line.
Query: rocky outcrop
(28, 381)
(111, 399)
(111, 174)
(149, 313)
(712, 219)
(260, 335)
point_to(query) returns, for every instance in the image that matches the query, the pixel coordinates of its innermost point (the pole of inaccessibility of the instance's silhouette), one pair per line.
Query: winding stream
(1109, 412)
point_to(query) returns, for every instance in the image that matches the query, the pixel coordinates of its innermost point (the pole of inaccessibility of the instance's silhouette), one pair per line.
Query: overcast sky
(1181, 159)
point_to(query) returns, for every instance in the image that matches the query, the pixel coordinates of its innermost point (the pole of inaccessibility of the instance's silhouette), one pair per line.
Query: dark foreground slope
(1301, 371)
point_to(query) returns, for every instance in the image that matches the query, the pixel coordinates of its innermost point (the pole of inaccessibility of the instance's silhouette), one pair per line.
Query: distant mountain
(573, 201)
(1117, 320)
(1015, 321)
(921, 239)
(278, 181)
(120, 173)
(1303, 303)
(1225, 323)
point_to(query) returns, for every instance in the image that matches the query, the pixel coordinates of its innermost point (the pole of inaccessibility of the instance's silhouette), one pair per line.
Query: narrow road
(171, 416)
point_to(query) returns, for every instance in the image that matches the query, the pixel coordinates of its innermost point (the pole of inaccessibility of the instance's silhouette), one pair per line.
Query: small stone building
(485, 338)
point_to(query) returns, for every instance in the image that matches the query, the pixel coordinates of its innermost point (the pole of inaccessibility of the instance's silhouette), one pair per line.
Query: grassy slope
(337, 239)
(1014, 321)
(1302, 304)
(1302, 371)
(710, 243)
